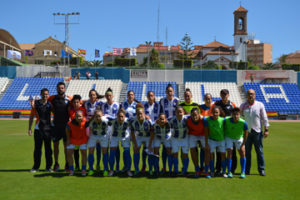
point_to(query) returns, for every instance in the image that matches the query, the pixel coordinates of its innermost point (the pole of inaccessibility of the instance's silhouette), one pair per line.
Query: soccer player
(152, 109)
(140, 132)
(188, 104)
(60, 104)
(226, 105)
(76, 106)
(205, 109)
(42, 131)
(161, 135)
(77, 135)
(179, 130)
(214, 138)
(98, 134)
(110, 110)
(196, 134)
(120, 133)
(236, 132)
(168, 106)
(90, 107)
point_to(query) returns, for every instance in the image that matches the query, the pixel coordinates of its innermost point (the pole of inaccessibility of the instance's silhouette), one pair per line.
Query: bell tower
(240, 33)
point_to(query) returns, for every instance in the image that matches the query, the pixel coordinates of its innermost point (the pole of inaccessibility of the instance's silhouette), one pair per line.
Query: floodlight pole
(66, 23)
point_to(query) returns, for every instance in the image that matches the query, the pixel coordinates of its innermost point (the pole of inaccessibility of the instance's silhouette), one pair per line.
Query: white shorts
(81, 147)
(114, 141)
(237, 142)
(165, 142)
(183, 143)
(193, 141)
(140, 140)
(219, 145)
(103, 139)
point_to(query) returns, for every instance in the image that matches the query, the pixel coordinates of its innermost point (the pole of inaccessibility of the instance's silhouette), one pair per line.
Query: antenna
(166, 36)
(158, 14)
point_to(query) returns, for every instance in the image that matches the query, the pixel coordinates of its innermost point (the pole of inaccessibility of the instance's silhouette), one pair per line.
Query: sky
(127, 23)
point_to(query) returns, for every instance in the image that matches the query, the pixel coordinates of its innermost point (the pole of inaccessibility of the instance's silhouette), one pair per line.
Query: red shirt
(196, 129)
(78, 133)
(72, 112)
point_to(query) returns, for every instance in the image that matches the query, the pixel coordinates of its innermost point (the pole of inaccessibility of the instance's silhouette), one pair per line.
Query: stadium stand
(283, 98)
(17, 95)
(82, 87)
(159, 88)
(200, 88)
(3, 83)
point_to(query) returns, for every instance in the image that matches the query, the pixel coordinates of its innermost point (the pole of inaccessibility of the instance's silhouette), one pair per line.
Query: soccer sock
(164, 157)
(112, 159)
(206, 168)
(71, 168)
(185, 164)
(136, 161)
(229, 164)
(98, 153)
(105, 161)
(156, 164)
(150, 162)
(170, 162)
(197, 169)
(223, 164)
(202, 157)
(124, 160)
(175, 162)
(212, 166)
(83, 167)
(243, 164)
(144, 157)
(91, 161)
(127, 158)
(117, 158)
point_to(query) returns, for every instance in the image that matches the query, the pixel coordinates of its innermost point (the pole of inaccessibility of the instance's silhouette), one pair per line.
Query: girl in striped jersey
(130, 105)
(120, 132)
(98, 134)
(161, 135)
(168, 105)
(110, 110)
(152, 109)
(90, 107)
(179, 131)
(140, 133)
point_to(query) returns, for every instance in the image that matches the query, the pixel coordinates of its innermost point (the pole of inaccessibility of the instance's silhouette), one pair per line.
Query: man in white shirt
(255, 115)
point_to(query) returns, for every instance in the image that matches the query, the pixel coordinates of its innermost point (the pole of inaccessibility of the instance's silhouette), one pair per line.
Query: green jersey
(235, 130)
(216, 128)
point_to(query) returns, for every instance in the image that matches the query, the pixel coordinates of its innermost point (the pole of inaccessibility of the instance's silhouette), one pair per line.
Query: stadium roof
(7, 39)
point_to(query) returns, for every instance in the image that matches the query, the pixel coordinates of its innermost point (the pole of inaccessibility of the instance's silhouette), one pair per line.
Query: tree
(282, 58)
(186, 46)
(268, 66)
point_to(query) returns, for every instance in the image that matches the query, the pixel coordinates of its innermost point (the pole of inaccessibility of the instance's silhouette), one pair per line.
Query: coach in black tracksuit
(42, 131)
(227, 107)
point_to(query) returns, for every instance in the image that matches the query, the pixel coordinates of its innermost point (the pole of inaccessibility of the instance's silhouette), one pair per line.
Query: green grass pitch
(16, 182)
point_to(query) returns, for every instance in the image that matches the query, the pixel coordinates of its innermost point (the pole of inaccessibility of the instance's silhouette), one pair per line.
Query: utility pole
(148, 43)
(66, 23)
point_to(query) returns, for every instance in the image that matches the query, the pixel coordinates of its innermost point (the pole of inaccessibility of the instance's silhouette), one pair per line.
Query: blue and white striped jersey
(120, 130)
(179, 129)
(99, 128)
(168, 107)
(162, 132)
(141, 129)
(130, 109)
(110, 111)
(152, 111)
(91, 107)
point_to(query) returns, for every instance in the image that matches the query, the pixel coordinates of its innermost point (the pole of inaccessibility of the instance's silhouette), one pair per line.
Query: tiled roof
(241, 9)
(215, 44)
(27, 46)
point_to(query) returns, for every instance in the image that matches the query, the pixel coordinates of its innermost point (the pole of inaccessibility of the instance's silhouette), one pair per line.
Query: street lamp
(148, 43)
(66, 23)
